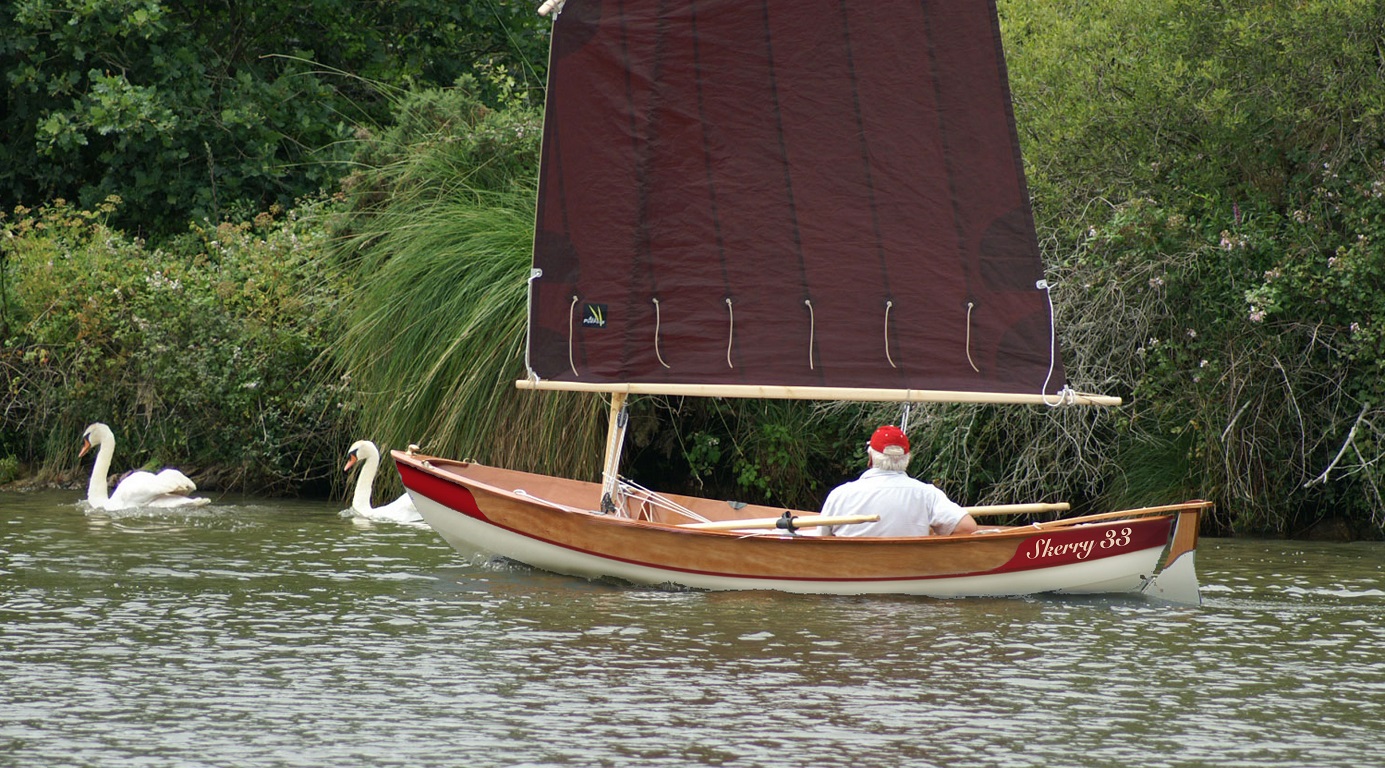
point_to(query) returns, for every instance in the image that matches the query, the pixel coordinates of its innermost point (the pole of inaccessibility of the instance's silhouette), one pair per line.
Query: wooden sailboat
(787, 199)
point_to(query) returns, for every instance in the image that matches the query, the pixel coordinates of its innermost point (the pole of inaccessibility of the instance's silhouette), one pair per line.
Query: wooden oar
(1141, 512)
(1018, 509)
(800, 521)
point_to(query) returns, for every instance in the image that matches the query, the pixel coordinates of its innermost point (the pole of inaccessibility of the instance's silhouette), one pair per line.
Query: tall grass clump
(436, 247)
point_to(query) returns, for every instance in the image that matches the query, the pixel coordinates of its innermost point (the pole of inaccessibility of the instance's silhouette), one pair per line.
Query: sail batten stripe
(791, 203)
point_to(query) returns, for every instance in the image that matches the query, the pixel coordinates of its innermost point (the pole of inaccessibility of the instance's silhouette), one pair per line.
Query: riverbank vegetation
(1209, 186)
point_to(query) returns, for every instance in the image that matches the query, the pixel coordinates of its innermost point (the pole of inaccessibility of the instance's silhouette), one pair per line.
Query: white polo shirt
(907, 507)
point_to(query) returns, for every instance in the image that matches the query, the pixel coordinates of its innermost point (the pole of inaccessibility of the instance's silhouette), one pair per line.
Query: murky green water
(281, 634)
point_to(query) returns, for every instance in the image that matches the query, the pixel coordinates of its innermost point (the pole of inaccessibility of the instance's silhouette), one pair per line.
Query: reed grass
(435, 341)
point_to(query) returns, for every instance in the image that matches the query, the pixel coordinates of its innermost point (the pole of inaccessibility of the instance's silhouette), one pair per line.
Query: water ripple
(261, 634)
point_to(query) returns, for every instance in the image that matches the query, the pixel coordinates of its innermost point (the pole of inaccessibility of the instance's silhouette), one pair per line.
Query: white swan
(167, 489)
(401, 510)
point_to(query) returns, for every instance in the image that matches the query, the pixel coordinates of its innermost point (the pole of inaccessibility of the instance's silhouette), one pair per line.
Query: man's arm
(964, 526)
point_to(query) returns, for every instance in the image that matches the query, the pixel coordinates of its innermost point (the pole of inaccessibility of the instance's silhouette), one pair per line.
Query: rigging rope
(812, 329)
(658, 500)
(1066, 395)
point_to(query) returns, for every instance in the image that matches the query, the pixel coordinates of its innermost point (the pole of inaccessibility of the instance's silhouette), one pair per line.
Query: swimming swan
(401, 510)
(167, 489)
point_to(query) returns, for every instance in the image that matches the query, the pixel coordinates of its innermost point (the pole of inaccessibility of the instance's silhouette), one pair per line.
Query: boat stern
(1177, 581)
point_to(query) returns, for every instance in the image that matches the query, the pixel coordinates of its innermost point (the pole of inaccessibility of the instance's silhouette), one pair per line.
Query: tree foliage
(1210, 181)
(200, 111)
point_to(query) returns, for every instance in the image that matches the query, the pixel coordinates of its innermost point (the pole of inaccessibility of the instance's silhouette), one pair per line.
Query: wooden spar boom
(818, 393)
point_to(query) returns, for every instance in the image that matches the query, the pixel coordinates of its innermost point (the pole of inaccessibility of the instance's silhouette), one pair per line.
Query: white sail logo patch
(593, 315)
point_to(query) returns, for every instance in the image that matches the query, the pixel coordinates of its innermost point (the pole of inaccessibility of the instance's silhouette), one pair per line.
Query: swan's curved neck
(365, 482)
(98, 492)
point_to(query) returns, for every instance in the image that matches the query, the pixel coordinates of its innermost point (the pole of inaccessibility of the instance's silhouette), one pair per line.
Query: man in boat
(906, 506)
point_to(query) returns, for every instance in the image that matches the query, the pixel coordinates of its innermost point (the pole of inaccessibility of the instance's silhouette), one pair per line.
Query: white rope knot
(1066, 396)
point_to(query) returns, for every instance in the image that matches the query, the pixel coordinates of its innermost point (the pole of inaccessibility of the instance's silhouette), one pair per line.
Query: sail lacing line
(812, 329)
(888, 304)
(534, 274)
(570, 362)
(658, 320)
(971, 362)
(1067, 395)
(730, 331)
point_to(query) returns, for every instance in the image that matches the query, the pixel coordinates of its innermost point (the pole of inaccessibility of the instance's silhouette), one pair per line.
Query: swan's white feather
(401, 510)
(167, 489)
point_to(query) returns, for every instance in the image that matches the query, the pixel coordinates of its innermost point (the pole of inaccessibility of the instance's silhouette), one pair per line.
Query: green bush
(203, 351)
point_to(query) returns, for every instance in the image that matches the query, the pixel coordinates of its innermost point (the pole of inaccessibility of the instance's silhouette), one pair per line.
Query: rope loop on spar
(534, 274)
(570, 362)
(658, 320)
(971, 362)
(888, 305)
(730, 331)
(812, 330)
(1067, 395)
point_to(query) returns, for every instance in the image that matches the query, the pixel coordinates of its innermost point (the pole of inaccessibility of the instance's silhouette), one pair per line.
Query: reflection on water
(281, 633)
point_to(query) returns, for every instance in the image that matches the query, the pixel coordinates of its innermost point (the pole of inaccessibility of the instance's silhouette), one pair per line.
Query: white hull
(1130, 572)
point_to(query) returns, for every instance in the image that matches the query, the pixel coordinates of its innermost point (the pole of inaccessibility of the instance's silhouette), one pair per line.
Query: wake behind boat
(786, 199)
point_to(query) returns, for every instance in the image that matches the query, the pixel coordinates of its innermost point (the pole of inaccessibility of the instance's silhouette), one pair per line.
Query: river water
(279, 633)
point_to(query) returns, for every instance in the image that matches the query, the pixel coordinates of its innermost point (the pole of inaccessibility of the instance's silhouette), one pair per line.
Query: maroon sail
(795, 193)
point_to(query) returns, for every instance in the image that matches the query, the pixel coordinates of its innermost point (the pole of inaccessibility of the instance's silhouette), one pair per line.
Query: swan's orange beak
(351, 462)
(86, 446)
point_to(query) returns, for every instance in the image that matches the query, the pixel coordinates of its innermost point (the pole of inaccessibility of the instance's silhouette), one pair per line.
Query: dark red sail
(786, 192)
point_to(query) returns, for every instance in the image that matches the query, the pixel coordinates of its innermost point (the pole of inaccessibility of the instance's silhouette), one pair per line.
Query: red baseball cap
(887, 436)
